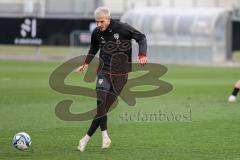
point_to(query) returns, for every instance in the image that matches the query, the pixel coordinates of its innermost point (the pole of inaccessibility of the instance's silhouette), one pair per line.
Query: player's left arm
(142, 43)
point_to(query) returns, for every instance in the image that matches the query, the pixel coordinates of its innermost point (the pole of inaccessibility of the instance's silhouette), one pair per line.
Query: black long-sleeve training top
(115, 44)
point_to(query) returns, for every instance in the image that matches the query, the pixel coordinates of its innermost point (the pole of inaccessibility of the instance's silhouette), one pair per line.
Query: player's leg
(232, 97)
(117, 84)
(107, 92)
(102, 88)
(110, 99)
(106, 96)
(103, 92)
(83, 142)
(100, 118)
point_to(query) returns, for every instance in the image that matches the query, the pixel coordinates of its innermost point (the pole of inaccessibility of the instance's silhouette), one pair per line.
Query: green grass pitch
(208, 127)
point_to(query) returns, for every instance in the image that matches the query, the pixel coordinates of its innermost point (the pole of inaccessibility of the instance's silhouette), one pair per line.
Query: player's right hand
(81, 68)
(142, 59)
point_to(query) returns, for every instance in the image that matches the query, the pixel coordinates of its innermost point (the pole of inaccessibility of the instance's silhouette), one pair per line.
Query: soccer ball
(22, 141)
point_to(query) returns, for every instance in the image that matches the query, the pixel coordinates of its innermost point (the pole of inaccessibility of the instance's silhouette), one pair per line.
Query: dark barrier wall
(236, 36)
(37, 31)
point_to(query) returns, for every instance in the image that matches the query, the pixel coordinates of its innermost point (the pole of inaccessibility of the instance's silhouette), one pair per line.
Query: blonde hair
(102, 12)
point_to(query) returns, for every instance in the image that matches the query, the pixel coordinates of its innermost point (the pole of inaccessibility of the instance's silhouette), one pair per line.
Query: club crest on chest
(116, 36)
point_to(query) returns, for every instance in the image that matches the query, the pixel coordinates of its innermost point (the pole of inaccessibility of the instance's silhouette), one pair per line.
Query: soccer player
(113, 39)
(232, 97)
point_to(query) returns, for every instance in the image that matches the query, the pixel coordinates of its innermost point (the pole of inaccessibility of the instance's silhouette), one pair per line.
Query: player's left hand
(142, 60)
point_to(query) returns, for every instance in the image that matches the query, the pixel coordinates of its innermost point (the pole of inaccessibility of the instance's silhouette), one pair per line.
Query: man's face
(102, 23)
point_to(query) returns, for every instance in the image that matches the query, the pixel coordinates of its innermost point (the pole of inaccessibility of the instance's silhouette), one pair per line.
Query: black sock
(103, 123)
(235, 91)
(93, 127)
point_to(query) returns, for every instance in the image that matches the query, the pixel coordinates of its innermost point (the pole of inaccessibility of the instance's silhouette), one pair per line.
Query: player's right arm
(91, 53)
(141, 40)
